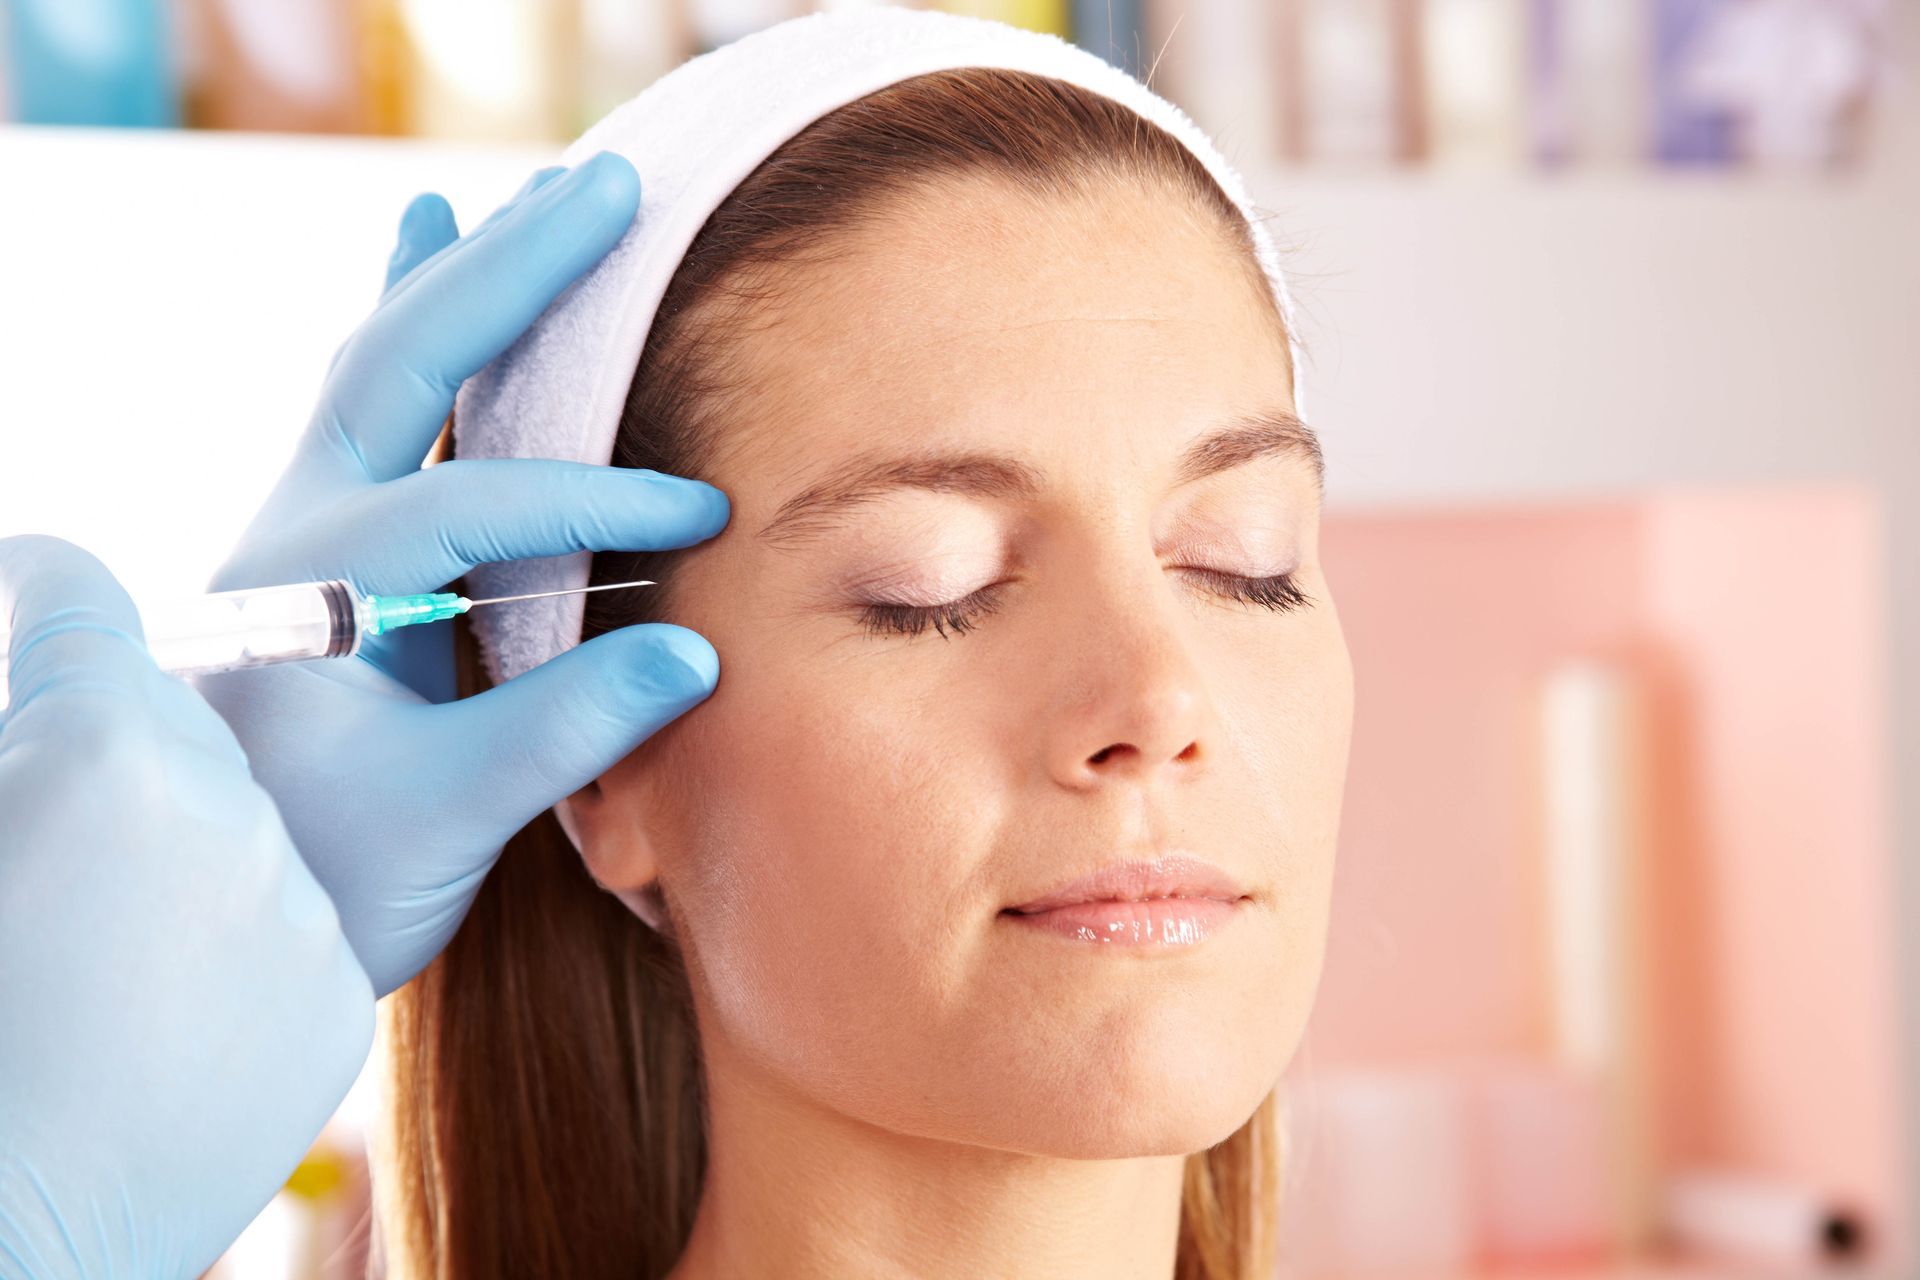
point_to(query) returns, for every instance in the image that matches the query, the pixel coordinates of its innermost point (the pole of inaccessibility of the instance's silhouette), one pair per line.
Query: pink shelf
(1773, 1042)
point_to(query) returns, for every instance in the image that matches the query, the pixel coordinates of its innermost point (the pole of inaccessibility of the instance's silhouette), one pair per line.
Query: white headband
(694, 135)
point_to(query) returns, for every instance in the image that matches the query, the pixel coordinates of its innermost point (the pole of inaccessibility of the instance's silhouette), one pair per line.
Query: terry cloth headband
(693, 135)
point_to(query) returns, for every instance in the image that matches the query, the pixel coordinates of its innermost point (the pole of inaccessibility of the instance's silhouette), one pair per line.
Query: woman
(1022, 586)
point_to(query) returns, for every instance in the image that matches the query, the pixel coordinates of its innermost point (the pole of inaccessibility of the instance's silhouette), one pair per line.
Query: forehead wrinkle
(998, 329)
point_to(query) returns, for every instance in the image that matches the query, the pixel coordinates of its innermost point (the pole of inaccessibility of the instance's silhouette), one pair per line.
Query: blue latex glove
(179, 1011)
(400, 798)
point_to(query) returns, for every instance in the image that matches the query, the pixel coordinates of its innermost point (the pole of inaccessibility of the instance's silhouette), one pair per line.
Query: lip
(1172, 875)
(1173, 900)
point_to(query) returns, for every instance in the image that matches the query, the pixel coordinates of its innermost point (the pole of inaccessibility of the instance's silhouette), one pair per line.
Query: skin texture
(901, 1080)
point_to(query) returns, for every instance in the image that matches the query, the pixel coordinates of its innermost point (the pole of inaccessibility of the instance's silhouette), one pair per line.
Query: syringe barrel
(231, 630)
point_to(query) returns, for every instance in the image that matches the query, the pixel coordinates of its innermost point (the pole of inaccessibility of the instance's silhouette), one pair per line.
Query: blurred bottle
(6, 73)
(1050, 16)
(1540, 1164)
(282, 65)
(92, 62)
(1385, 1169)
(1114, 29)
(1796, 75)
(1593, 722)
(624, 46)
(1350, 82)
(718, 22)
(1474, 60)
(1220, 62)
(380, 49)
(1735, 1215)
(1686, 131)
(493, 69)
(1592, 81)
(315, 1227)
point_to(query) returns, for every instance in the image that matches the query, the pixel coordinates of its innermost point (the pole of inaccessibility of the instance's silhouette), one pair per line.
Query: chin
(1169, 1124)
(1175, 1098)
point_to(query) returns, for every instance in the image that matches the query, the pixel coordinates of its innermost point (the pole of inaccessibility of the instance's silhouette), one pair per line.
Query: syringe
(257, 627)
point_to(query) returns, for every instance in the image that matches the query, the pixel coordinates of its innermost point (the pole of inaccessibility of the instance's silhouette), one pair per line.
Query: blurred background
(1612, 310)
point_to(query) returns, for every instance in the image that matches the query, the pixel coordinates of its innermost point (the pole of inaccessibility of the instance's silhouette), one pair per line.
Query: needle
(539, 595)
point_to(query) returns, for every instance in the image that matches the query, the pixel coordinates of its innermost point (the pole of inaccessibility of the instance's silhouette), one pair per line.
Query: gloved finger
(547, 733)
(431, 526)
(427, 227)
(535, 180)
(73, 626)
(443, 233)
(428, 230)
(401, 276)
(394, 384)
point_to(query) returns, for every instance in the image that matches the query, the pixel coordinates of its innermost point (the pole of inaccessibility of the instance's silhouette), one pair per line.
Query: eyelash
(1279, 593)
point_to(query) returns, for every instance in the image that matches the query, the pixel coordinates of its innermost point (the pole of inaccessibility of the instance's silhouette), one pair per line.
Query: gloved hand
(179, 1011)
(399, 799)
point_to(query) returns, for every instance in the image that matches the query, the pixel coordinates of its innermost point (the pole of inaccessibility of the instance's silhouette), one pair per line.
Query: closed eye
(1277, 592)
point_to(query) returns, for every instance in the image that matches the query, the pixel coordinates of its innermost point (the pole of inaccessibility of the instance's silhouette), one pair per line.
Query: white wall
(168, 306)
(1500, 336)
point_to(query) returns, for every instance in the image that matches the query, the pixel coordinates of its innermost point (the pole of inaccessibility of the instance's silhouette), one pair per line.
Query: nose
(1133, 703)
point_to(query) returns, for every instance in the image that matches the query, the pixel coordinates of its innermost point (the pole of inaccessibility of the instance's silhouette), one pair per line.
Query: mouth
(1173, 901)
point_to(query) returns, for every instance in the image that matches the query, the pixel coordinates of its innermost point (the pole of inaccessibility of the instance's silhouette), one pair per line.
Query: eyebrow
(821, 506)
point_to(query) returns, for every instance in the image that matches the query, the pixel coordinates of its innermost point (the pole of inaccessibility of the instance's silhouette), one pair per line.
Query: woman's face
(842, 827)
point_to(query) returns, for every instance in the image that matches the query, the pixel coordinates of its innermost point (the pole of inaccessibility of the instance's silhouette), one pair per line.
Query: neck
(798, 1191)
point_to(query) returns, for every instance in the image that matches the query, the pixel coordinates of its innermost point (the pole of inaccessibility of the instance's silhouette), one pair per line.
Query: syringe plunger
(255, 627)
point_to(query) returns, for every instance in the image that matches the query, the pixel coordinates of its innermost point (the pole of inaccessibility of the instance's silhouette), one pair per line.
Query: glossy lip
(1175, 875)
(1155, 922)
(1173, 901)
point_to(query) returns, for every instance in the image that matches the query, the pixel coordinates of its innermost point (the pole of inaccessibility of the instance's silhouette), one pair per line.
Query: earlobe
(611, 838)
(650, 905)
(616, 848)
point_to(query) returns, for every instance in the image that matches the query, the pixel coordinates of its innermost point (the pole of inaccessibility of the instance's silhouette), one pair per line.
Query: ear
(612, 826)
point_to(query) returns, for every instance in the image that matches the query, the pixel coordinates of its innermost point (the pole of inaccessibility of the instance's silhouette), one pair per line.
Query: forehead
(973, 313)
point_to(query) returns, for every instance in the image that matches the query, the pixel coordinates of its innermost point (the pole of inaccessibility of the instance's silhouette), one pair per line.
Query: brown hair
(546, 1080)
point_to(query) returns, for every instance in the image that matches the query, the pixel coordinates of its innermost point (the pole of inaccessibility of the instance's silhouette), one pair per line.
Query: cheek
(1284, 697)
(831, 830)
(1288, 723)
